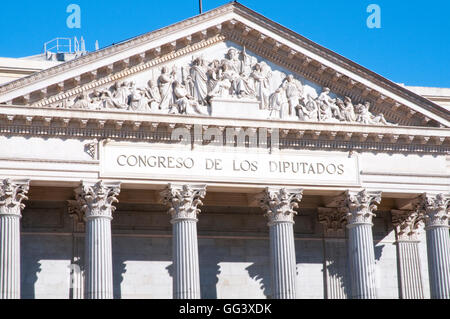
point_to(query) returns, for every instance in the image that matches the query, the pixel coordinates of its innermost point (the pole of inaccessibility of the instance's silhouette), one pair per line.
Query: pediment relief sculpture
(195, 88)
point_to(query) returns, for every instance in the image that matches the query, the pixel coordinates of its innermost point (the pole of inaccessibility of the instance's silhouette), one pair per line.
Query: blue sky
(412, 46)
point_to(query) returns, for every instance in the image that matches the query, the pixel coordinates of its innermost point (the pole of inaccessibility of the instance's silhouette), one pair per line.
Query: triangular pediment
(228, 62)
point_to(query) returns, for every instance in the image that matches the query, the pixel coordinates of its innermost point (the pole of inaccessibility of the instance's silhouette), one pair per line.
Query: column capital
(77, 215)
(407, 223)
(359, 206)
(279, 203)
(12, 193)
(183, 200)
(97, 199)
(434, 208)
(333, 221)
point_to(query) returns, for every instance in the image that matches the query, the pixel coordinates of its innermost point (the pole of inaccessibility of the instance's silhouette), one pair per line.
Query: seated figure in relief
(241, 84)
(185, 103)
(329, 111)
(82, 102)
(278, 104)
(308, 110)
(347, 110)
(121, 95)
(364, 116)
(224, 81)
(138, 99)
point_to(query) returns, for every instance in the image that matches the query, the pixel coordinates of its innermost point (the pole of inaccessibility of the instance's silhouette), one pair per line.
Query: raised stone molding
(279, 204)
(12, 193)
(96, 200)
(333, 221)
(434, 209)
(183, 200)
(359, 206)
(408, 224)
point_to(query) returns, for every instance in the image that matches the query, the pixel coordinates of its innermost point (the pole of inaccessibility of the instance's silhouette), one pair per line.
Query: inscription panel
(151, 162)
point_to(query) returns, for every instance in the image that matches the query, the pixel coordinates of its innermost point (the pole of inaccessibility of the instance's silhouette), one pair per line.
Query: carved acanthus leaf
(280, 204)
(97, 200)
(434, 209)
(12, 193)
(407, 224)
(359, 206)
(183, 200)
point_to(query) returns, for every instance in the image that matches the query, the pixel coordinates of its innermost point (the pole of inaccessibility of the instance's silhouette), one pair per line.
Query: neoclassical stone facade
(222, 157)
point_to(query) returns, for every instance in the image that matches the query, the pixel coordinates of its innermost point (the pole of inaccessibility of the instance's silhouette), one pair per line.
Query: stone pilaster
(77, 264)
(12, 193)
(434, 209)
(407, 227)
(358, 208)
(184, 201)
(279, 205)
(335, 268)
(96, 202)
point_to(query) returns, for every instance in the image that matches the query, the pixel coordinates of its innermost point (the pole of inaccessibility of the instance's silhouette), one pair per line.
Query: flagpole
(201, 6)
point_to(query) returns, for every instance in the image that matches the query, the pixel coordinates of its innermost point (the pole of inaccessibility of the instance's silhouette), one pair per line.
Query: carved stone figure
(153, 95)
(294, 91)
(309, 111)
(348, 110)
(121, 95)
(165, 82)
(199, 80)
(138, 100)
(183, 100)
(278, 104)
(328, 107)
(261, 76)
(238, 75)
(82, 102)
(364, 116)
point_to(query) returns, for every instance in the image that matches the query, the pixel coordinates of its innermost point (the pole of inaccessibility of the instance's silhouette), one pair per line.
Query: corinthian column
(434, 209)
(407, 227)
(183, 201)
(12, 193)
(359, 208)
(96, 202)
(279, 205)
(334, 221)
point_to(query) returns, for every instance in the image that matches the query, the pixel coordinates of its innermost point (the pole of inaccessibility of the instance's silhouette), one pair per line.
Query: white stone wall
(233, 252)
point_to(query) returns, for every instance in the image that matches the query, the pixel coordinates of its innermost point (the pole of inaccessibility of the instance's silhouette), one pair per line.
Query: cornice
(85, 124)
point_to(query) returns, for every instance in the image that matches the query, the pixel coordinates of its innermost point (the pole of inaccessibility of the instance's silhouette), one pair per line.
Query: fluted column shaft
(359, 208)
(435, 212)
(11, 196)
(99, 277)
(362, 261)
(282, 260)
(335, 251)
(438, 248)
(411, 285)
(407, 227)
(96, 202)
(279, 204)
(185, 261)
(183, 201)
